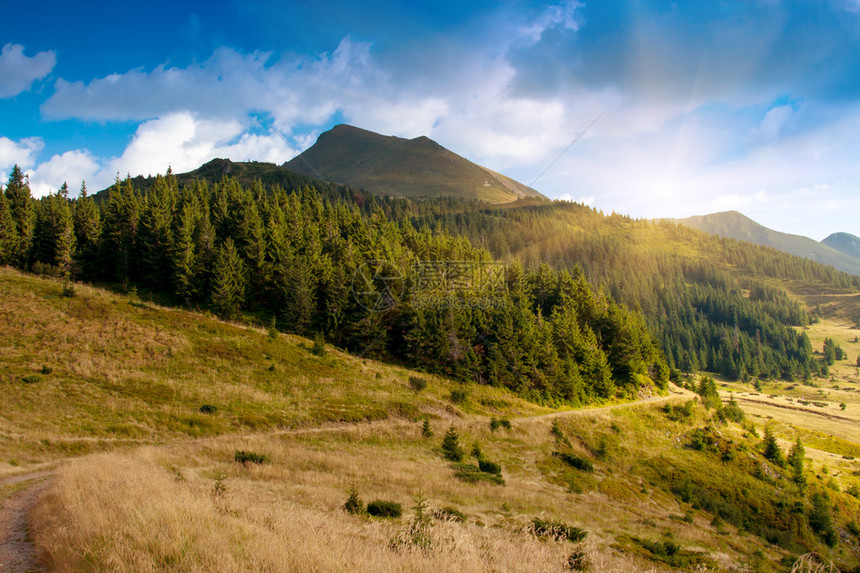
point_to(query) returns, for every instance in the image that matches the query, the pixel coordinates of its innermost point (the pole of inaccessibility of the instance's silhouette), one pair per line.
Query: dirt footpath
(17, 553)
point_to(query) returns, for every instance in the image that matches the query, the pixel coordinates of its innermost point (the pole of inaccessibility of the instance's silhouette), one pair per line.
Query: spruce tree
(183, 255)
(451, 445)
(796, 460)
(228, 280)
(87, 225)
(63, 232)
(23, 212)
(771, 448)
(155, 237)
(8, 233)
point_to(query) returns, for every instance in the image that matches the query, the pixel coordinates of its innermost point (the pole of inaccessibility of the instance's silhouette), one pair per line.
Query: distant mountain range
(840, 250)
(845, 243)
(387, 165)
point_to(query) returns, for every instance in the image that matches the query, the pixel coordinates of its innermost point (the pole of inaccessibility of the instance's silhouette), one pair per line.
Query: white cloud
(184, 142)
(23, 153)
(72, 167)
(18, 72)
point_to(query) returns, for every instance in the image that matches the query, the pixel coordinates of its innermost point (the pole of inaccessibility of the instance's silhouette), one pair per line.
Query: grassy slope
(124, 371)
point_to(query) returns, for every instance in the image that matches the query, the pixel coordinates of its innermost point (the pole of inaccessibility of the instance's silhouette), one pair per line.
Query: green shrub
(68, 289)
(318, 348)
(473, 474)
(575, 461)
(417, 383)
(449, 513)
(243, 457)
(558, 434)
(733, 412)
(476, 451)
(353, 503)
(489, 467)
(495, 424)
(458, 396)
(384, 508)
(208, 409)
(506, 424)
(31, 379)
(702, 439)
(46, 369)
(557, 530)
(273, 328)
(578, 560)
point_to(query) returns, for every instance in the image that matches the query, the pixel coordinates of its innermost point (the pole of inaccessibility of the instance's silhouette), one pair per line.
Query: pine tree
(53, 234)
(771, 448)
(8, 233)
(118, 252)
(228, 280)
(426, 429)
(23, 212)
(184, 256)
(63, 232)
(155, 237)
(796, 460)
(87, 225)
(451, 445)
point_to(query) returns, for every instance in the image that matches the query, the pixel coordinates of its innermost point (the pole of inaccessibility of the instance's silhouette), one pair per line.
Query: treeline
(341, 266)
(705, 298)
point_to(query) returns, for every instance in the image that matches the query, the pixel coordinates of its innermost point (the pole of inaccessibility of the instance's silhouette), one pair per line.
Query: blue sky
(707, 106)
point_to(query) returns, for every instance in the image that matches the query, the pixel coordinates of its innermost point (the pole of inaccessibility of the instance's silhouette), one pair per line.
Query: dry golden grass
(156, 508)
(131, 515)
(99, 371)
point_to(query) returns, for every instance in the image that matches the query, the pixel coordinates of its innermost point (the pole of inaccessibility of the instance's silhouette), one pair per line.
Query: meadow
(179, 442)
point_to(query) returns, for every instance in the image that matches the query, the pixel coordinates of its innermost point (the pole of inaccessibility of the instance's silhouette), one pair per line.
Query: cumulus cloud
(184, 142)
(18, 72)
(71, 167)
(23, 152)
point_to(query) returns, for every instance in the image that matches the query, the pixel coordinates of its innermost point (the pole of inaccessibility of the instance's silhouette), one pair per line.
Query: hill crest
(844, 243)
(735, 225)
(390, 165)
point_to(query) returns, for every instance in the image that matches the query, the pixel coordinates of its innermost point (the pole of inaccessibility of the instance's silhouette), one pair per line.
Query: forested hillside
(418, 280)
(715, 304)
(357, 272)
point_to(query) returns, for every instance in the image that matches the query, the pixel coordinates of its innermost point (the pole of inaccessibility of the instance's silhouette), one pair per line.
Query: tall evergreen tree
(8, 233)
(87, 225)
(796, 457)
(23, 212)
(120, 233)
(155, 237)
(228, 280)
(771, 447)
(184, 256)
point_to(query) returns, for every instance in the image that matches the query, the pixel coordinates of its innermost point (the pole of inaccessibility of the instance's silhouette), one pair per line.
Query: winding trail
(17, 552)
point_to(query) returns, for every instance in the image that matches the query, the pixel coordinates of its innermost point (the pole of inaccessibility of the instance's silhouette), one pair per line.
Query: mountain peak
(390, 165)
(738, 226)
(844, 243)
